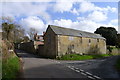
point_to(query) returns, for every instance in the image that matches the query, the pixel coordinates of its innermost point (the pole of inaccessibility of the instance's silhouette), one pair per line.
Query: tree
(12, 31)
(109, 33)
(19, 34)
(7, 19)
(7, 29)
(25, 39)
(32, 32)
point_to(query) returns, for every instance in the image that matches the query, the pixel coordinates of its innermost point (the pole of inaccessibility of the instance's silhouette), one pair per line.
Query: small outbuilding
(59, 41)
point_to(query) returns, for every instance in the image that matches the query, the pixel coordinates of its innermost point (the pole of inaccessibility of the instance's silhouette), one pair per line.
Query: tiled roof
(72, 32)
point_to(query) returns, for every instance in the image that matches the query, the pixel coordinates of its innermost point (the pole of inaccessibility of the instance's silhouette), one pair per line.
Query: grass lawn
(82, 57)
(118, 64)
(0, 69)
(10, 68)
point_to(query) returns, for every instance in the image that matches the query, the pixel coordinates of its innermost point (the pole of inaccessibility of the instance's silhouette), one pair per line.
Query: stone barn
(59, 41)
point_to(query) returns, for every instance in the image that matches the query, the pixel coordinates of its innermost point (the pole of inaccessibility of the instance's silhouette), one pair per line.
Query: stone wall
(113, 51)
(28, 47)
(32, 47)
(80, 45)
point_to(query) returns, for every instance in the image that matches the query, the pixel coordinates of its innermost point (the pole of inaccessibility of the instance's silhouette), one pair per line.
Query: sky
(81, 15)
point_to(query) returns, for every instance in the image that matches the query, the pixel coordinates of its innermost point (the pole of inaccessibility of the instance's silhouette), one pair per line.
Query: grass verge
(10, 68)
(117, 65)
(82, 57)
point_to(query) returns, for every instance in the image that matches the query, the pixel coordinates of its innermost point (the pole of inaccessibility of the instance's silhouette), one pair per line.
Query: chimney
(43, 33)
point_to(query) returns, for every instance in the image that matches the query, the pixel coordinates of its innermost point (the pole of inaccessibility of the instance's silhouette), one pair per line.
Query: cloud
(27, 0)
(33, 22)
(97, 16)
(86, 6)
(26, 9)
(114, 21)
(35, 14)
(62, 6)
(84, 24)
(74, 11)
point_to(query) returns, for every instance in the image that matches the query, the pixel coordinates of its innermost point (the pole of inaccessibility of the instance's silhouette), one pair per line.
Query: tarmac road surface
(36, 67)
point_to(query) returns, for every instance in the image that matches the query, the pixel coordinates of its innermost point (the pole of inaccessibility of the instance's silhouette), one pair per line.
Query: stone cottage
(59, 41)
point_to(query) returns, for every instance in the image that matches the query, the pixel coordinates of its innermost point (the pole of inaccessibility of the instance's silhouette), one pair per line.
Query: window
(97, 40)
(81, 40)
(71, 46)
(89, 41)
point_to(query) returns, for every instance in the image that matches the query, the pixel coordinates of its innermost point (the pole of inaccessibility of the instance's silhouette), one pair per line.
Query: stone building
(39, 37)
(33, 46)
(59, 41)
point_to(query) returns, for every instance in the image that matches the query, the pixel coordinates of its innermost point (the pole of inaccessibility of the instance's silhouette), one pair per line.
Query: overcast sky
(84, 15)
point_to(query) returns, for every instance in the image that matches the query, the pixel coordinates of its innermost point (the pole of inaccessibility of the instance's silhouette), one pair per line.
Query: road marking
(77, 70)
(83, 73)
(90, 77)
(81, 70)
(88, 73)
(97, 77)
(69, 66)
(57, 62)
(72, 68)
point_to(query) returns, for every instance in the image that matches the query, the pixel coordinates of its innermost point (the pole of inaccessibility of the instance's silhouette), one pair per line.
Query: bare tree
(32, 32)
(19, 33)
(7, 19)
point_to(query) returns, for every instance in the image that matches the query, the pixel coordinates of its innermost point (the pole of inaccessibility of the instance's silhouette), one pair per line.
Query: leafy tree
(109, 33)
(12, 31)
(7, 29)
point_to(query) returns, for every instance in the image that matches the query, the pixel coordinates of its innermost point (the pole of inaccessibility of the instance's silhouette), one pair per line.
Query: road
(36, 67)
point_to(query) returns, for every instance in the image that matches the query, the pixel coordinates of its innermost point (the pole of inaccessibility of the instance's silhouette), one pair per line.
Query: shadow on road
(52, 71)
(23, 54)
